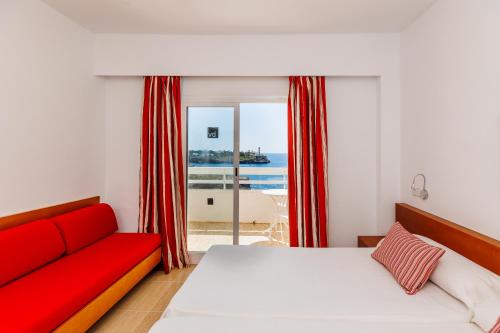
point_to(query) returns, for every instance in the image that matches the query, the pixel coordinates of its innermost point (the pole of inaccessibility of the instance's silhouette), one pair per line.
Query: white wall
(51, 109)
(248, 55)
(123, 143)
(451, 111)
(351, 55)
(52, 126)
(353, 145)
(59, 127)
(353, 158)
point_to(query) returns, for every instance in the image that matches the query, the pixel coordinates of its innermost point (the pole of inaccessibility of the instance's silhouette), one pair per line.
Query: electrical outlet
(210, 201)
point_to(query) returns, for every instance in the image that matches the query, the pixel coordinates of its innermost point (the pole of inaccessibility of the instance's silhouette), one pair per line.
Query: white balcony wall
(254, 206)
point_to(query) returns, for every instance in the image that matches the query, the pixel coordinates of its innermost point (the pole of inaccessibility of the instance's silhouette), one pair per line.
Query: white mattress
(265, 325)
(334, 283)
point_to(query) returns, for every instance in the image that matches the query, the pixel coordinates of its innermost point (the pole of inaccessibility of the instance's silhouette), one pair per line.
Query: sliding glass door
(227, 204)
(211, 167)
(263, 197)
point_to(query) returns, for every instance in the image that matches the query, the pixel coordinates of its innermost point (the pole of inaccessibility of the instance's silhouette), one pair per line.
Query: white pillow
(487, 313)
(464, 279)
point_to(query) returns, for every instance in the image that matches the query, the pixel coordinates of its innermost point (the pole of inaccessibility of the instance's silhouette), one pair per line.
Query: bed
(332, 283)
(342, 288)
(264, 325)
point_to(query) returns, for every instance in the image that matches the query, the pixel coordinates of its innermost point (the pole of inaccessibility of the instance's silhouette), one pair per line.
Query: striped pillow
(496, 328)
(409, 259)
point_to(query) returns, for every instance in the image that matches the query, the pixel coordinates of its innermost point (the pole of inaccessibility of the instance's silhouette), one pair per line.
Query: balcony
(263, 217)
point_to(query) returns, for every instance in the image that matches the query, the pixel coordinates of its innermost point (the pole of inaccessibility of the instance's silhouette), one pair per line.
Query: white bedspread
(267, 325)
(334, 283)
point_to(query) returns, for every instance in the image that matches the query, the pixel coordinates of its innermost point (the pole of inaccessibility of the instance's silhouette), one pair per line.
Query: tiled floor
(142, 307)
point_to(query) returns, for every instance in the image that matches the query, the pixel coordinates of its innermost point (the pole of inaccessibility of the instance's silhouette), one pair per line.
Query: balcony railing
(250, 177)
(258, 213)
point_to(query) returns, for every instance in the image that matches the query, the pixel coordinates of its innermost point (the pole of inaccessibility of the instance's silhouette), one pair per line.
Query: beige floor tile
(148, 295)
(120, 321)
(175, 275)
(144, 304)
(148, 321)
(166, 297)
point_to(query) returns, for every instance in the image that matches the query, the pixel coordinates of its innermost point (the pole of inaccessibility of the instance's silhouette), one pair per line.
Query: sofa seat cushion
(85, 226)
(27, 247)
(44, 299)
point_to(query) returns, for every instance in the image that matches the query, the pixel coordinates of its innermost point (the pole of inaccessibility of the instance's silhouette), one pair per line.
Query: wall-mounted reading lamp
(419, 192)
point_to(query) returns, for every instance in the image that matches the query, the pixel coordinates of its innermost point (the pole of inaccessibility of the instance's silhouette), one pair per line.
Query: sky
(262, 125)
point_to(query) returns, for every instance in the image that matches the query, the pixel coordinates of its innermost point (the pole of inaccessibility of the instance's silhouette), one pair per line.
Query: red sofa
(51, 269)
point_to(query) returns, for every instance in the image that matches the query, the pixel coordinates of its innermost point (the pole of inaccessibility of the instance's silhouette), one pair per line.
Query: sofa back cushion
(85, 226)
(27, 247)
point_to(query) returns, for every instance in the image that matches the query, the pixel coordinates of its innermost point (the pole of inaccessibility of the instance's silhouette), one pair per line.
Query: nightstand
(369, 241)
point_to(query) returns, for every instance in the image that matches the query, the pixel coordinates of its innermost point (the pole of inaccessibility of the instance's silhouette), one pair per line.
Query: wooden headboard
(481, 249)
(43, 213)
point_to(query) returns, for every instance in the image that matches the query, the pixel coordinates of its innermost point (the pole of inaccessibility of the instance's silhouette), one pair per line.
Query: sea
(278, 160)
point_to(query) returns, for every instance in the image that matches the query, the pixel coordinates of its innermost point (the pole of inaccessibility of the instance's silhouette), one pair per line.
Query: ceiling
(242, 16)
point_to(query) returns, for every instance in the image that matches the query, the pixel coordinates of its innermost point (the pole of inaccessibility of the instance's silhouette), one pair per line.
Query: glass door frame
(236, 159)
(223, 101)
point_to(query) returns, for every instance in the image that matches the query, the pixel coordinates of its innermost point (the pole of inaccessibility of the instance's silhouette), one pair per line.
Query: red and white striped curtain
(162, 174)
(307, 162)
